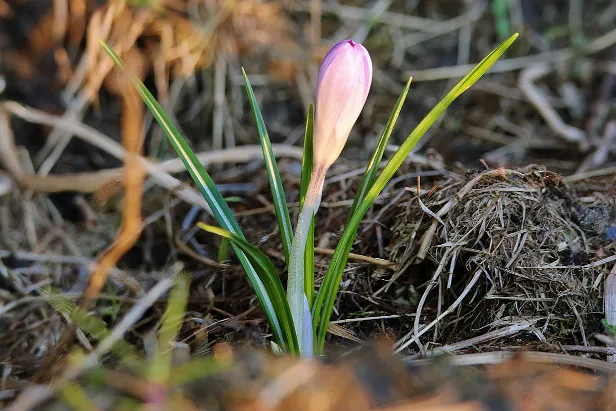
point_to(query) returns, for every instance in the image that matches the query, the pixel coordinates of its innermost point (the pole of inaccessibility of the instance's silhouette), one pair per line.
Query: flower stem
(295, 281)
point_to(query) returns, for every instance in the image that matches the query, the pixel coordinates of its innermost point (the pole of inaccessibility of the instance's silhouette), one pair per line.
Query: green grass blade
(77, 398)
(269, 276)
(280, 201)
(500, 11)
(95, 327)
(208, 189)
(223, 251)
(307, 164)
(373, 165)
(327, 293)
(160, 367)
(197, 369)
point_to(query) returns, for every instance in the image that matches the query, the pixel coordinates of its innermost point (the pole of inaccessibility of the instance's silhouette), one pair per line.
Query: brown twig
(499, 357)
(558, 126)
(9, 156)
(89, 182)
(414, 335)
(105, 143)
(375, 261)
(132, 122)
(513, 64)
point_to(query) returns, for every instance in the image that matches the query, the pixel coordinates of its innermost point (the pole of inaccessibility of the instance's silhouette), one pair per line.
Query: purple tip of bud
(343, 85)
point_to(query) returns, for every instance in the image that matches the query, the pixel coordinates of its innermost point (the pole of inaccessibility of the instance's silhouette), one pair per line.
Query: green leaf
(280, 201)
(223, 251)
(500, 11)
(215, 200)
(160, 368)
(269, 277)
(197, 369)
(327, 293)
(609, 328)
(76, 398)
(234, 199)
(91, 325)
(307, 164)
(373, 165)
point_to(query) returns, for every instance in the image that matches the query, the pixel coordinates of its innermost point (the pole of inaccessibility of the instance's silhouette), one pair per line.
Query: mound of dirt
(505, 250)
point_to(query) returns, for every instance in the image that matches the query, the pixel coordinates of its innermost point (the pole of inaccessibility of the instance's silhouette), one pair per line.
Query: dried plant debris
(372, 379)
(171, 39)
(501, 247)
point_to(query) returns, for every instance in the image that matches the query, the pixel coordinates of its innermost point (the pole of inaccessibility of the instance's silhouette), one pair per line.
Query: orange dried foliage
(134, 173)
(174, 38)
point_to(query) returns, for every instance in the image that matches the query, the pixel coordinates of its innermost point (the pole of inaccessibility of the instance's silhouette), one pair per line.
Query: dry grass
(500, 259)
(529, 240)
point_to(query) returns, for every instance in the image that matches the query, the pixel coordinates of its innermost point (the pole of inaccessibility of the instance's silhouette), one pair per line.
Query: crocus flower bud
(342, 89)
(344, 81)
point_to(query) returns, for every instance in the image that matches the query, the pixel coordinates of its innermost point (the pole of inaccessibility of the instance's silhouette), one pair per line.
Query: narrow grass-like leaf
(500, 11)
(278, 197)
(307, 164)
(76, 398)
(373, 165)
(197, 369)
(327, 293)
(223, 251)
(269, 276)
(160, 368)
(208, 189)
(92, 325)
(234, 199)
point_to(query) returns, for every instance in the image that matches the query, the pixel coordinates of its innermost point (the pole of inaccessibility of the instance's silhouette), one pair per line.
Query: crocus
(343, 85)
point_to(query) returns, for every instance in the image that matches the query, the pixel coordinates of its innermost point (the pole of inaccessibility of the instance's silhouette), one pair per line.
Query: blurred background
(548, 101)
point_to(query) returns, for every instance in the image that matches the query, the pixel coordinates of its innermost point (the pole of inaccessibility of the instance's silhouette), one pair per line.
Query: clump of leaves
(260, 270)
